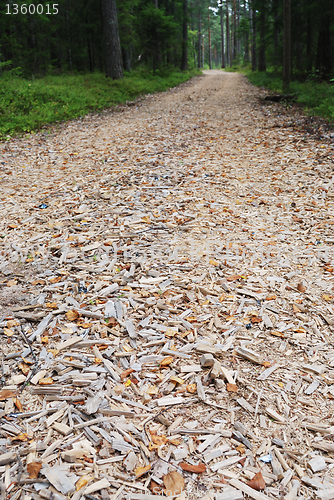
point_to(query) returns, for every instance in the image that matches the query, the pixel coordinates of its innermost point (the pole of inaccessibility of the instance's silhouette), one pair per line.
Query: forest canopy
(69, 36)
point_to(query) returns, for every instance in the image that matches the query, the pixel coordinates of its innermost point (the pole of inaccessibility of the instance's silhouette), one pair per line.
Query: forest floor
(166, 301)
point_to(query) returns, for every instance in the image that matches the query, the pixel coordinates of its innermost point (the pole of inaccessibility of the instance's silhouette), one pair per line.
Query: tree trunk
(111, 41)
(222, 35)
(209, 36)
(286, 45)
(324, 53)
(228, 55)
(199, 40)
(234, 30)
(246, 57)
(309, 43)
(262, 47)
(254, 58)
(184, 62)
(276, 39)
(69, 50)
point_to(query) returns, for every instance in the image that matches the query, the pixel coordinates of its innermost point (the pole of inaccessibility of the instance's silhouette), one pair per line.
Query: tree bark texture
(184, 61)
(111, 41)
(228, 48)
(254, 57)
(286, 45)
(199, 40)
(222, 35)
(209, 36)
(262, 41)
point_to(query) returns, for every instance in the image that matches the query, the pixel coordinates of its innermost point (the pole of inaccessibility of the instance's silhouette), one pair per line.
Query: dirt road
(175, 258)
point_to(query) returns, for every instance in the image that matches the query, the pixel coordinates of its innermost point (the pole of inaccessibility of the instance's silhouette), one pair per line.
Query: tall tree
(262, 41)
(254, 58)
(184, 62)
(111, 41)
(286, 45)
(222, 35)
(228, 45)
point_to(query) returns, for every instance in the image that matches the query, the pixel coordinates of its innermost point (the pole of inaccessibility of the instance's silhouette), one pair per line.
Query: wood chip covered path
(166, 303)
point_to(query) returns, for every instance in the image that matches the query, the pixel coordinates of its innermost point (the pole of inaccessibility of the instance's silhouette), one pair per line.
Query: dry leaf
(82, 482)
(257, 483)
(158, 440)
(18, 404)
(193, 468)
(33, 469)
(46, 381)
(72, 315)
(24, 368)
(20, 437)
(277, 334)
(166, 361)
(6, 393)
(140, 471)
(174, 483)
(192, 388)
(256, 319)
(301, 288)
(8, 332)
(231, 387)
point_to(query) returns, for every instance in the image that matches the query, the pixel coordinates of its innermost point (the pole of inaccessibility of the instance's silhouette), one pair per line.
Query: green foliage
(27, 105)
(317, 98)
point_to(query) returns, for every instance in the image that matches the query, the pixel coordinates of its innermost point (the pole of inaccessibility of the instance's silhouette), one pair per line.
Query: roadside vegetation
(27, 105)
(316, 97)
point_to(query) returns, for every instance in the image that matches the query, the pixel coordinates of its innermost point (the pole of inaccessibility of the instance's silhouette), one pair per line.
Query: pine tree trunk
(246, 56)
(286, 45)
(199, 40)
(235, 50)
(308, 43)
(222, 35)
(209, 36)
(254, 58)
(228, 55)
(324, 53)
(184, 62)
(111, 41)
(262, 47)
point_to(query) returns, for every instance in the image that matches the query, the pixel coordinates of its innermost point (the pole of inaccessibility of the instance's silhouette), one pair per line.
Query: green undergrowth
(28, 105)
(317, 98)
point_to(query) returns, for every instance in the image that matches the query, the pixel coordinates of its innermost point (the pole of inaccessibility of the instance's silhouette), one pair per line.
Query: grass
(317, 98)
(28, 105)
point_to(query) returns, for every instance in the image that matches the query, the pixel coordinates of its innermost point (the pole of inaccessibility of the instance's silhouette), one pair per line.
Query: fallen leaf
(8, 332)
(192, 388)
(140, 471)
(155, 488)
(256, 319)
(46, 381)
(20, 437)
(301, 288)
(257, 483)
(33, 469)
(158, 440)
(18, 404)
(24, 368)
(72, 315)
(277, 334)
(166, 361)
(82, 482)
(174, 483)
(6, 393)
(193, 468)
(231, 387)
(326, 297)
(52, 305)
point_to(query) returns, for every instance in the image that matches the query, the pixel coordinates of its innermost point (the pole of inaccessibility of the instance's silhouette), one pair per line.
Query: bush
(27, 105)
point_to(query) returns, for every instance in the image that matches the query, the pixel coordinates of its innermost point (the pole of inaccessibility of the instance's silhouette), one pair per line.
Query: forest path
(196, 221)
